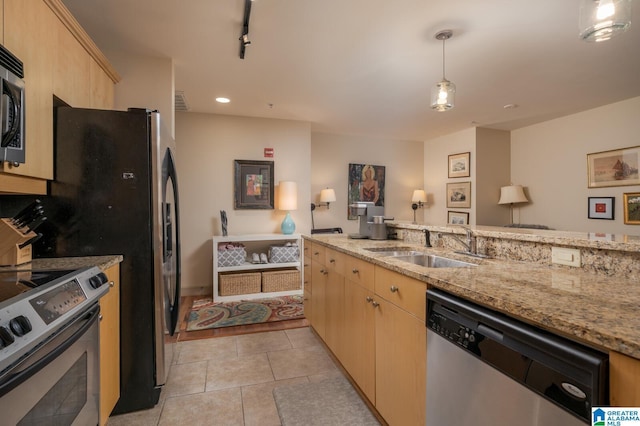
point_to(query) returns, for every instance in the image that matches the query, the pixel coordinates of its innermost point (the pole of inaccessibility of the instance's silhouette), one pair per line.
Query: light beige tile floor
(229, 380)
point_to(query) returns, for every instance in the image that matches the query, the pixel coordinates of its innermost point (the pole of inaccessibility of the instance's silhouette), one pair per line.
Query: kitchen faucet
(471, 243)
(427, 238)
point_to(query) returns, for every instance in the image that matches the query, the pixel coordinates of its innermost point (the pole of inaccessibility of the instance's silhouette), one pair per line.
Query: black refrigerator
(115, 192)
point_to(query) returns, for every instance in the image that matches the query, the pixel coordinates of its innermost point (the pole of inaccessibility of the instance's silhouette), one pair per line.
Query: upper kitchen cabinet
(59, 59)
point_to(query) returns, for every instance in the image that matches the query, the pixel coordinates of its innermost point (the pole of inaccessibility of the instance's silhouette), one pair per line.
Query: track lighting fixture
(244, 38)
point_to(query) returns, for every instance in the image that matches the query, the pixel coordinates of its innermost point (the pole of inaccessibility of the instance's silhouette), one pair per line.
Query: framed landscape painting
(459, 165)
(459, 195)
(457, 218)
(631, 202)
(618, 167)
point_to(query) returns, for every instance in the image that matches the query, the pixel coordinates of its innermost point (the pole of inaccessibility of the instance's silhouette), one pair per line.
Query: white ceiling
(366, 66)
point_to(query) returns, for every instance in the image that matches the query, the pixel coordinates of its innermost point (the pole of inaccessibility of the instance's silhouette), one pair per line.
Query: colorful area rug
(207, 314)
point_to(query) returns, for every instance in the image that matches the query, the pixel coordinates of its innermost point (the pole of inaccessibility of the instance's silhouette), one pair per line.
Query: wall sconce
(327, 196)
(511, 195)
(288, 200)
(418, 200)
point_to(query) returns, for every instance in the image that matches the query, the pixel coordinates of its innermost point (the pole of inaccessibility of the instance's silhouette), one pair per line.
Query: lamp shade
(601, 20)
(512, 194)
(419, 196)
(327, 195)
(288, 196)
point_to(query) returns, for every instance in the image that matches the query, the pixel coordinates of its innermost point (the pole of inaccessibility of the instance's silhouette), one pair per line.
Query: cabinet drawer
(306, 248)
(306, 267)
(317, 252)
(404, 292)
(334, 261)
(359, 271)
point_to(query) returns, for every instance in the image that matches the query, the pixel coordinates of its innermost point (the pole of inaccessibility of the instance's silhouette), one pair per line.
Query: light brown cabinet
(624, 380)
(110, 345)
(378, 336)
(57, 61)
(306, 281)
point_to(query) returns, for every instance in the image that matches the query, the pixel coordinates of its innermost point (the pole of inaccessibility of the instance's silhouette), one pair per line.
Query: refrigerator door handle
(172, 248)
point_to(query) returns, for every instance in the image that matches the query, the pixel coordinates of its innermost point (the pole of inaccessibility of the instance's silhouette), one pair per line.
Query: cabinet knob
(315, 253)
(369, 299)
(355, 271)
(394, 289)
(332, 261)
(323, 272)
(111, 284)
(375, 304)
(100, 317)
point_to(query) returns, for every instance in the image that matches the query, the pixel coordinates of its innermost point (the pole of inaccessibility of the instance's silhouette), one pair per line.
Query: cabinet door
(334, 306)
(359, 336)
(110, 345)
(30, 34)
(401, 363)
(624, 379)
(319, 285)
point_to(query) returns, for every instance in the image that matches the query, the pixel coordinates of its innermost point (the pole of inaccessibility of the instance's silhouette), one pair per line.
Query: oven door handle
(23, 373)
(14, 104)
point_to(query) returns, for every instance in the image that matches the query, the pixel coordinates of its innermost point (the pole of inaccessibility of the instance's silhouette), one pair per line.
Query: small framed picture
(631, 202)
(618, 167)
(253, 185)
(459, 195)
(601, 208)
(457, 218)
(459, 165)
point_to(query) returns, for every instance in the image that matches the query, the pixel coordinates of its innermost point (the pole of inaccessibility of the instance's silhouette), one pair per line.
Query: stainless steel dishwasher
(484, 368)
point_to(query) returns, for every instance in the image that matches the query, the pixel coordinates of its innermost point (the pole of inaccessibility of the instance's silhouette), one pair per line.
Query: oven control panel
(58, 301)
(33, 317)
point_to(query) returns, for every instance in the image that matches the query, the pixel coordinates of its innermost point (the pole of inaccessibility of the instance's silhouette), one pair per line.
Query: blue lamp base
(287, 225)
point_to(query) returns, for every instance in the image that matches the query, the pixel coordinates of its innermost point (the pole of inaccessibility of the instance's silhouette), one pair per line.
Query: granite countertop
(103, 262)
(596, 310)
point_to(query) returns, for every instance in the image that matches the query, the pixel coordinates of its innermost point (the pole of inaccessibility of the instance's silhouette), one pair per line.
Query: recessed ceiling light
(223, 100)
(510, 106)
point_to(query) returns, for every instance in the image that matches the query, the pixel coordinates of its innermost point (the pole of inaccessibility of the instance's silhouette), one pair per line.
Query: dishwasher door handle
(490, 332)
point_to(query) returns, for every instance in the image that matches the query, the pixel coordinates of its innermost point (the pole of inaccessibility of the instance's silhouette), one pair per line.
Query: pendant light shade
(443, 92)
(601, 20)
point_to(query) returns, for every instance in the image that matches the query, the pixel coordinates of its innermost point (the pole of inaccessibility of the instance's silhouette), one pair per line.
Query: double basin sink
(406, 254)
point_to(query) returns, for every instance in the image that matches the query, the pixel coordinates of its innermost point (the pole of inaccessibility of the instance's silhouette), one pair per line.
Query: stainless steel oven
(12, 142)
(49, 334)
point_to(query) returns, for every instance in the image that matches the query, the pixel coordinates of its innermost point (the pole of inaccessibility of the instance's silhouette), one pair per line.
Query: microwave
(12, 149)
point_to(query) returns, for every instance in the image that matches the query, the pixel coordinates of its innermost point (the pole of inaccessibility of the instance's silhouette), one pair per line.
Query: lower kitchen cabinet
(318, 301)
(110, 345)
(624, 380)
(334, 307)
(401, 363)
(359, 334)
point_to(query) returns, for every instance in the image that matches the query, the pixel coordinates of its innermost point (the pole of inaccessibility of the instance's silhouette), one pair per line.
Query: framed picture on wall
(459, 165)
(253, 184)
(618, 167)
(459, 195)
(457, 218)
(631, 202)
(601, 208)
(366, 183)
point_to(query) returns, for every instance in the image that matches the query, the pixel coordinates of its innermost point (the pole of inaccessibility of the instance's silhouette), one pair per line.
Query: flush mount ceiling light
(601, 20)
(443, 93)
(223, 100)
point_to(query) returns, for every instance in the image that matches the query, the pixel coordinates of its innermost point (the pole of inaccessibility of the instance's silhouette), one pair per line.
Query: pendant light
(601, 20)
(443, 93)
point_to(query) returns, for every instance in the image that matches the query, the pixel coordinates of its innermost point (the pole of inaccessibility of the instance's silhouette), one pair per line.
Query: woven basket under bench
(281, 280)
(230, 284)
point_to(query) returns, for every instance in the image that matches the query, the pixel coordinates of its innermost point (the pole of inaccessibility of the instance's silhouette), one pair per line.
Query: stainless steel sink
(433, 261)
(405, 254)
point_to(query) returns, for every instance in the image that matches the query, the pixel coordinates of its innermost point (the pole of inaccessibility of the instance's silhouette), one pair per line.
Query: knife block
(10, 240)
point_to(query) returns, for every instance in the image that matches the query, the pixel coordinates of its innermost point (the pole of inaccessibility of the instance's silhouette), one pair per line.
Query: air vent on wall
(181, 101)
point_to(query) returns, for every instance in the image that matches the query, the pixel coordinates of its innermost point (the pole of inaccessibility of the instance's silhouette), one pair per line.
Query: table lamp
(288, 200)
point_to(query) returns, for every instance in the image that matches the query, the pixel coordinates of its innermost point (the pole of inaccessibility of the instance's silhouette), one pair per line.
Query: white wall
(207, 146)
(550, 159)
(330, 158)
(436, 153)
(147, 82)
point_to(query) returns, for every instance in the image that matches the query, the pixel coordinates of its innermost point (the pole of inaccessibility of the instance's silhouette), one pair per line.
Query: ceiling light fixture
(223, 100)
(443, 93)
(601, 20)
